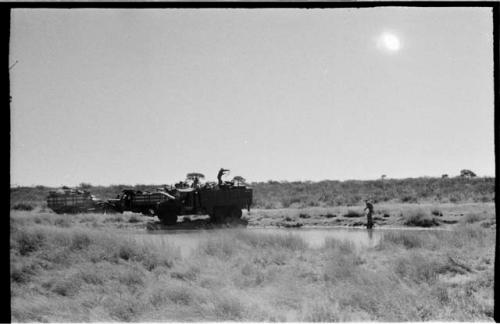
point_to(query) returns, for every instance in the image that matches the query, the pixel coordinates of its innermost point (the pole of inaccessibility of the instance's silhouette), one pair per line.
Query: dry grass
(68, 269)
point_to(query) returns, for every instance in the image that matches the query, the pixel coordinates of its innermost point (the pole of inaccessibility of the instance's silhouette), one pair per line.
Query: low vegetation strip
(80, 270)
(328, 193)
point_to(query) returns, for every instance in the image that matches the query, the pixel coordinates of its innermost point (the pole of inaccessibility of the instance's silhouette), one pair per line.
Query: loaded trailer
(73, 201)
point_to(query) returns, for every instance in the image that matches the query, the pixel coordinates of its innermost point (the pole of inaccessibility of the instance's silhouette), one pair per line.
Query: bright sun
(389, 42)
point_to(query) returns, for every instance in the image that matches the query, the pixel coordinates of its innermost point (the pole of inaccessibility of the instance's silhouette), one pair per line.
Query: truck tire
(168, 218)
(218, 215)
(234, 213)
(167, 214)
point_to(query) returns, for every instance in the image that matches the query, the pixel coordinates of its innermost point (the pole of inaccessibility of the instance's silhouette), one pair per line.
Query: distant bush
(22, 206)
(467, 174)
(85, 185)
(436, 212)
(353, 213)
(420, 218)
(474, 218)
(409, 199)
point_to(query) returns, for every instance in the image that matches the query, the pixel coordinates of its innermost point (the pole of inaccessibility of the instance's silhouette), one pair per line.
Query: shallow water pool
(186, 241)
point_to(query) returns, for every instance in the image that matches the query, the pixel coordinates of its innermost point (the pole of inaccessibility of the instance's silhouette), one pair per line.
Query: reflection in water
(188, 240)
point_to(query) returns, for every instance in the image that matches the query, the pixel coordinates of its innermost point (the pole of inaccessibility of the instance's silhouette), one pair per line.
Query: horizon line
(252, 182)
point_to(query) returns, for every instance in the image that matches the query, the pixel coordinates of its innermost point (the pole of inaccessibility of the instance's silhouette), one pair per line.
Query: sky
(144, 96)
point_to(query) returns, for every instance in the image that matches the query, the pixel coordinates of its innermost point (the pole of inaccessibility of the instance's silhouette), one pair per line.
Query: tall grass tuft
(404, 238)
(263, 241)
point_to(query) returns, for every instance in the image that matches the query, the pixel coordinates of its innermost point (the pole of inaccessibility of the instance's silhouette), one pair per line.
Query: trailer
(71, 201)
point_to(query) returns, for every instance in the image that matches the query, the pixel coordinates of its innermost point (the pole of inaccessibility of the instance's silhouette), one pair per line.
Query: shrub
(228, 307)
(62, 221)
(124, 309)
(353, 213)
(417, 268)
(134, 219)
(420, 218)
(21, 272)
(436, 212)
(28, 241)
(80, 241)
(91, 277)
(304, 216)
(66, 286)
(172, 291)
(22, 206)
(474, 218)
(409, 199)
(85, 185)
(189, 273)
(131, 277)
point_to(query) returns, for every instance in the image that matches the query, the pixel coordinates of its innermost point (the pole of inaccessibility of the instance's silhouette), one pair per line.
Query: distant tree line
(274, 194)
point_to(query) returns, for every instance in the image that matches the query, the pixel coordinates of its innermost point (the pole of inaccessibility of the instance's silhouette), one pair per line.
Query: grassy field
(89, 268)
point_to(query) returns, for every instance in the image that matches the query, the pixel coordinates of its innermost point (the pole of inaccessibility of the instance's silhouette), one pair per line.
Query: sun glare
(389, 42)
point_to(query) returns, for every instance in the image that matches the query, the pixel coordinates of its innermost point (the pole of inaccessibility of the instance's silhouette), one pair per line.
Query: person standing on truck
(222, 171)
(369, 215)
(196, 182)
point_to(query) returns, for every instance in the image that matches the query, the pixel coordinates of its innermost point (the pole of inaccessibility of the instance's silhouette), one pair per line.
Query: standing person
(222, 171)
(196, 182)
(369, 206)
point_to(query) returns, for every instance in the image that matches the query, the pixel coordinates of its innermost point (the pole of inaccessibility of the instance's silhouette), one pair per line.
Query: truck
(137, 201)
(222, 203)
(71, 201)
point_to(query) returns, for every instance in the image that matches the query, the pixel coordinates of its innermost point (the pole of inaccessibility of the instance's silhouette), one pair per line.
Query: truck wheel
(167, 214)
(235, 213)
(219, 214)
(168, 218)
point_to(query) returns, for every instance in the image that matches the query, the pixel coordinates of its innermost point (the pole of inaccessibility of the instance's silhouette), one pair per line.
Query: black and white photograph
(259, 164)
